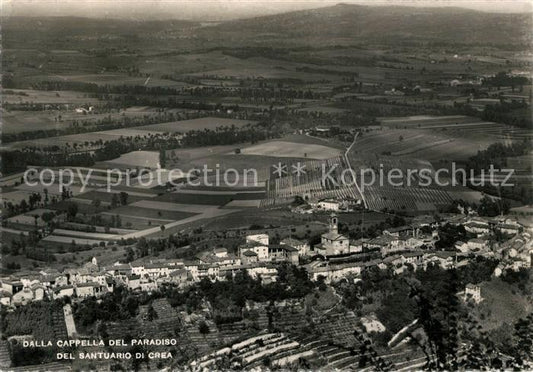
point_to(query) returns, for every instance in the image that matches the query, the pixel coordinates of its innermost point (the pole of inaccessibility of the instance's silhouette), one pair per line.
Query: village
(336, 257)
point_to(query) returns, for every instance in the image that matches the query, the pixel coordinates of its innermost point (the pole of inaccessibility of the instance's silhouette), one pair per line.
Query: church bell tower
(334, 223)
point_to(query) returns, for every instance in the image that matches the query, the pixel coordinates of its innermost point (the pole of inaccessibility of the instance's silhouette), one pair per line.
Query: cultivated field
(284, 149)
(140, 159)
(22, 121)
(432, 145)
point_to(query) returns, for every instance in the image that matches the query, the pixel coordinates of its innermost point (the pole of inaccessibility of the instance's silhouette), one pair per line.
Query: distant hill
(339, 24)
(390, 24)
(86, 33)
(83, 25)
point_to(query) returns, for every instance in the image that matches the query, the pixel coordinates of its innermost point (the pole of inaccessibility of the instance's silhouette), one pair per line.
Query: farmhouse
(249, 257)
(472, 292)
(461, 246)
(321, 130)
(23, 297)
(329, 205)
(387, 244)
(335, 272)
(258, 238)
(89, 290)
(283, 252)
(264, 272)
(415, 258)
(121, 271)
(156, 270)
(302, 247)
(219, 256)
(11, 285)
(192, 267)
(401, 231)
(394, 92)
(477, 244)
(357, 246)
(371, 324)
(208, 271)
(64, 291)
(133, 281)
(259, 247)
(477, 226)
(444, 259)
(5, 298)
(179, 276)
(508, 226)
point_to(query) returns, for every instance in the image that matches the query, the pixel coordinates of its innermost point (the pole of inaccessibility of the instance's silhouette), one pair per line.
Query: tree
(524, 337)
(203, 328)
(490, 208)
(114, 201)
(130, 255)
(47, 217)
(72, 210)
(151, 314)
(96, 203)
(123, 197)
(298, 200)
(162, 158)
(45, 190)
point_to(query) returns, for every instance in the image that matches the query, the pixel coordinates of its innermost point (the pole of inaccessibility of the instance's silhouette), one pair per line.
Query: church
(332, 243)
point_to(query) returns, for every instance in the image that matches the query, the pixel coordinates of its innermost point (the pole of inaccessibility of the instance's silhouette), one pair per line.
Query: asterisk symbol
(280, 169)
(298, 169)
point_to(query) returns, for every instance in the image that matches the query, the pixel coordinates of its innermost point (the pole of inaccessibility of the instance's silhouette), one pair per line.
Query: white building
(302, 247)
(258, 238)
(473, 292)
(329, 205)
(256, 246)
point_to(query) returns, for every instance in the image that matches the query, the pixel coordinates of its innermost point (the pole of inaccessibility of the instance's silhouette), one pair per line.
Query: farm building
(219, 256)
(283, 252)
(11, 286)
(258, 238)
(371, 324)
(249, 257)
(473, 292)
(329, 205)
(477, 227)
(477, 244)
(302, 247)
(64, 291)
(260, 249)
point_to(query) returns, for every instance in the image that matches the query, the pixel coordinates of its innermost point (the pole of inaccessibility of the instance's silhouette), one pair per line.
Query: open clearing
(284, 149)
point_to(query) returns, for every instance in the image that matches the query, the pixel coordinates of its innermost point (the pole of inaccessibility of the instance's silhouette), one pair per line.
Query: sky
(222, 9)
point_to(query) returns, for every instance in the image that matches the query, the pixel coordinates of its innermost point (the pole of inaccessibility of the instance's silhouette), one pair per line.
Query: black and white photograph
(266, 186)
